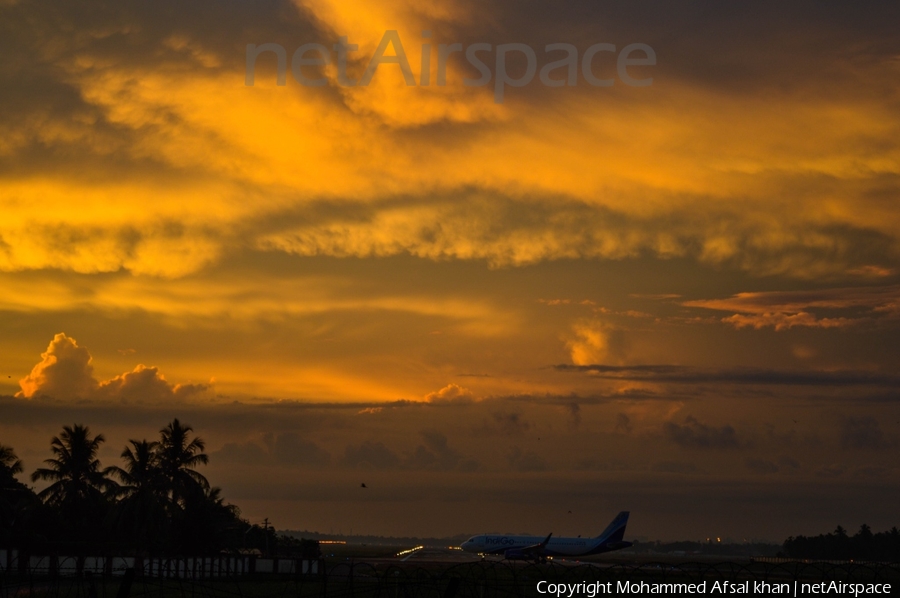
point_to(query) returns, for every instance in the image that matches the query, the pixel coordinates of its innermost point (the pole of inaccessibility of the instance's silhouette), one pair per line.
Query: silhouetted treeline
(687, 547)
(157, 503)
(862, 546)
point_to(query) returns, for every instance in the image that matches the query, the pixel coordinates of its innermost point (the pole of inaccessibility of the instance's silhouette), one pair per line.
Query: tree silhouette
(178, 456)
(17, 501)
(142, 473)
(141, 510)
(864, 545)
(79, 486)
(209, 524)
(163, 505)
(75, 473)
(10, 465)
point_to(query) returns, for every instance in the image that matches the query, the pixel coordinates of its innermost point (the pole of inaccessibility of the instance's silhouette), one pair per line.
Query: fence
(13, 562)
(482, 579)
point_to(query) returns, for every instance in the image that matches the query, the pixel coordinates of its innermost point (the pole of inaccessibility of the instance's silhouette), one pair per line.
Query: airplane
(538, 549)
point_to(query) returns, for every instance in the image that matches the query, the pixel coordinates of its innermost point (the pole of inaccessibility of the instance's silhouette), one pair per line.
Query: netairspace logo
(562, 71)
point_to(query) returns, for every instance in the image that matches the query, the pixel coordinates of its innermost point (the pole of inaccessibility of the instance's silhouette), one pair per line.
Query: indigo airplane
(537, 548)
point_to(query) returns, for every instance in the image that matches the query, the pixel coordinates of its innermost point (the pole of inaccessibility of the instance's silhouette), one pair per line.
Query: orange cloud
(450, 393)
(165, 168)
(783, 321)
(783, 310)
(148, 384)
(65, 372)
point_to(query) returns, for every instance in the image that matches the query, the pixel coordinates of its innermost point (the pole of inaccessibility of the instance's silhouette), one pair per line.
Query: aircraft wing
(535, 551)
(537, 548)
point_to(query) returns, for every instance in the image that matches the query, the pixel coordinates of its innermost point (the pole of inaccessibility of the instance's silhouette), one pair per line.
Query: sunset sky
(680, 299)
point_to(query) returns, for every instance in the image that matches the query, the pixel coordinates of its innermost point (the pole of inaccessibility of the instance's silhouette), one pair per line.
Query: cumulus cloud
(148, 384)
(450, 393)
(590, 344)
(66, 371)
(696, 435)
(593, 341)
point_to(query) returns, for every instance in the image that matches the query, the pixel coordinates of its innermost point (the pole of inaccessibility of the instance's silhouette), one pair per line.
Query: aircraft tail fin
(615, 531)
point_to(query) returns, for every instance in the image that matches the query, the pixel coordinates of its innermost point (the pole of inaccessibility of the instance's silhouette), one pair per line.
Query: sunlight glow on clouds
(65, 372)
(584, 288)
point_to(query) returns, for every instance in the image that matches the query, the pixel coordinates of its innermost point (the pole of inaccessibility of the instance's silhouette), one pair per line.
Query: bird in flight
(363, 485)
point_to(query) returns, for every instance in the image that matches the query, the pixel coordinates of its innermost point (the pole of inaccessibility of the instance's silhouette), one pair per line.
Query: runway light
(402, 552)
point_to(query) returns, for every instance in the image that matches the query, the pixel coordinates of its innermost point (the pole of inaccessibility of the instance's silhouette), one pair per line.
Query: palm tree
(142, 473)
(10, 465)
(179, 455)
(141, 512)
(209, 524)
(79, 486)
(18, 504)
(75, 473)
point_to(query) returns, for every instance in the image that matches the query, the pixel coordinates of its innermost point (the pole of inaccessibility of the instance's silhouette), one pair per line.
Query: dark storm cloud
(574, 411)
(436, 454)
(234, 419)
(737, 48)
(510, 423)
(245, 453)
(523, 460)
(696, 435)
(370, 455)
(678, 467)
(788, 463)
(872, 472)
(292, 449)
(761, 466)
(287, 448)
(602, 465)
(623, 423)
(694, 375)
(863, 433)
